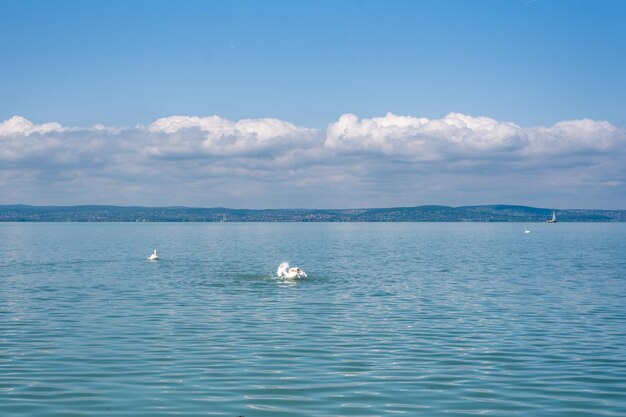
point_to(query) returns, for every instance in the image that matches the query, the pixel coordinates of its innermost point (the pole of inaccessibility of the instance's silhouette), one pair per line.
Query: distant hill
(492, 213)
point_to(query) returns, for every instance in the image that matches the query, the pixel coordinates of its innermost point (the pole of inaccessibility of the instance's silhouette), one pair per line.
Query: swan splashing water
(285, 272)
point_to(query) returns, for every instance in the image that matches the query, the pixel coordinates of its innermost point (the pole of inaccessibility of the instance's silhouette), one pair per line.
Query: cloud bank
(382, 161)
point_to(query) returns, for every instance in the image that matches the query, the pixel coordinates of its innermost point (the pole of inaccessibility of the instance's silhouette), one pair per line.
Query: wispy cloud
(382, 161)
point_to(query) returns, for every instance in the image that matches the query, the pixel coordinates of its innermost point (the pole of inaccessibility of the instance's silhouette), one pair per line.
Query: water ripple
(408, 319)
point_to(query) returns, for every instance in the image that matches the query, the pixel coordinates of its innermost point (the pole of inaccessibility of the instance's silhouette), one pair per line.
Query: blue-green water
(414, 319)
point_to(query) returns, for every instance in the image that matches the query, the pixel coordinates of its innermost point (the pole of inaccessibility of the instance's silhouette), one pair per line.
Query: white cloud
(214, 135)
(17, 125)
(575, 136)
(423, 139)
(382, 161)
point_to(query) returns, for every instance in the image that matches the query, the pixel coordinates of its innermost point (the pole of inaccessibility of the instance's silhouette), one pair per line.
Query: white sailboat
(553, 219)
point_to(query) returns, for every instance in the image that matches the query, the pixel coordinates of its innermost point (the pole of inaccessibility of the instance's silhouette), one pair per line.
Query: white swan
(154, 256)
(285, 272)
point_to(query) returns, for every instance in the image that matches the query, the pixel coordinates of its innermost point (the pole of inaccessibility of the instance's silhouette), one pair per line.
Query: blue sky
(121, 64)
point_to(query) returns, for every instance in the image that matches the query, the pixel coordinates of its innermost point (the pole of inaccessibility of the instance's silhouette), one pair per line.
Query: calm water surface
(413, 318)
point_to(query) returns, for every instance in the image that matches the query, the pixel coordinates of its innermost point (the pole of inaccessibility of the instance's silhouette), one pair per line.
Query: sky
(314, 104)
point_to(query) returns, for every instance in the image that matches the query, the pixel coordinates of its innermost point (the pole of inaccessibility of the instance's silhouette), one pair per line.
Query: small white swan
(154, 256)
(526, 230)
(285, 272)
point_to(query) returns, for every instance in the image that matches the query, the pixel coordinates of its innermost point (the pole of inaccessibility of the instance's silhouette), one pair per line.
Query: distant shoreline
(427, 213)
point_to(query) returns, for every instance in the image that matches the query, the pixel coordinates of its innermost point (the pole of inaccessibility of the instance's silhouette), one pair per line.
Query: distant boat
(154, 256)
(553, 219)
(526, 230)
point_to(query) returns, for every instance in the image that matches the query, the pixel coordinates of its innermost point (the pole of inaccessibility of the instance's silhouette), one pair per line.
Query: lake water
(408, 319)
